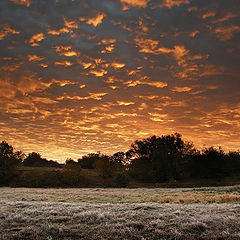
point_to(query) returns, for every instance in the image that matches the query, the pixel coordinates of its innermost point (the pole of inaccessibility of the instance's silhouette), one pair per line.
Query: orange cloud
(117, 65)
(108, 41)
(179, 52)
(64, 63)
(122, 103)
(151, 46)
(108, 49)
(97, 20)
(158, 117)
(226, 17)
(11, 67)
(99, 72)
(86, 65)
(63, 83)
(194, 33)
(22, 2)
(58, 32)
(95, 96)
(62, 48)
(181, 89)
(6, 89)
(6, 30)
(211, 70)
(136, 3)
(34, 58)
(69, 54)
(43, 100)
(36, 38)
(157, 84)
(30, 83)
(226, 33)
(172, 3)
(44, 65)
(146, 45)
(70, 24)
(208, 15)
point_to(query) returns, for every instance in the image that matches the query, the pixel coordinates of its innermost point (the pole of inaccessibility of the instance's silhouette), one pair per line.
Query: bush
(40, 178)
(104, 167)
(121, 180)
(72, 174)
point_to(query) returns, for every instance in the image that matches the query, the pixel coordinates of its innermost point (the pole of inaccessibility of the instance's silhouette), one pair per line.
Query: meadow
(102, 213)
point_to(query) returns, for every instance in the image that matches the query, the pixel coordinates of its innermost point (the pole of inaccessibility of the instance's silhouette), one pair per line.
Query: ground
(143, 213)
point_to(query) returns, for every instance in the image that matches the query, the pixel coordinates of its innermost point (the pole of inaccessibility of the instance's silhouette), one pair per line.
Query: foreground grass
(137, 195)
(156, 213)
(41, 220)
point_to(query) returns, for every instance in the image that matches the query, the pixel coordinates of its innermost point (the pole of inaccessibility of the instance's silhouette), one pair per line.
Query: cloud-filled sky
(80, 76)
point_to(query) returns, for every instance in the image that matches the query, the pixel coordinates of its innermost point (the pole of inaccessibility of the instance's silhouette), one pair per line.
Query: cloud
(135, 3)
(208, 15)
(226, 33)
(181, 89)
(22, 2)
(95, 96)
(172, 3)
(95, 21)
(64, 63)
(34, 58)
(59, 31)
(70, 23)
(99, 72)
(35, 39)
(7, 30)
(118, 65)
(88, 72)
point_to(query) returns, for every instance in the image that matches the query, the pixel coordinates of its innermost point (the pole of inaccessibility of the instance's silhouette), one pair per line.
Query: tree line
(156, 159)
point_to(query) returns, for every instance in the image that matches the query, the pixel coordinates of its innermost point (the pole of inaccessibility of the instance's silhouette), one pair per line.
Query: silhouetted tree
(8, 162)
(234, 163)
(159, 158)
(214, 162)
(88, 160)
(35, 160)
(105, 166)
(72, 173)
(119, 159)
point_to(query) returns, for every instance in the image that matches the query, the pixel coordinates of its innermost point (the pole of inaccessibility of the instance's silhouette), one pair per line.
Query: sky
(81, 76)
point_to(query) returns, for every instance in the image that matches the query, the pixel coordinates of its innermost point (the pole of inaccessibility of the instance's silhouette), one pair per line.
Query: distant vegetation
(154, 160)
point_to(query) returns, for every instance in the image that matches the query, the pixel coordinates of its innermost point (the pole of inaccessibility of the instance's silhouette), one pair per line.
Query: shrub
(72, 174)
(40, 178)
(121, 180)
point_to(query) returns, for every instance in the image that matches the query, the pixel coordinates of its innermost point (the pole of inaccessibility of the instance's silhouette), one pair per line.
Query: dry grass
(39, 220)
(54, 214)
(122, 195)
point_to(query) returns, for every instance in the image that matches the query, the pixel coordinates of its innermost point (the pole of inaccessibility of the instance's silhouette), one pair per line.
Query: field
(143, 213)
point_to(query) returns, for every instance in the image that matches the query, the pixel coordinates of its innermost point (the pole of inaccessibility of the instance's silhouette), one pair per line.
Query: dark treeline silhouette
(154, 160)
(35, 160)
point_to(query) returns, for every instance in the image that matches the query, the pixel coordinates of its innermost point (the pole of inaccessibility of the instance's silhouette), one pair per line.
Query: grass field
(156, 213)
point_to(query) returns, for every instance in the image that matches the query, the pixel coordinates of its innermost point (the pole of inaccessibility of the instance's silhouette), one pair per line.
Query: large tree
(8, 162)
(159, 158)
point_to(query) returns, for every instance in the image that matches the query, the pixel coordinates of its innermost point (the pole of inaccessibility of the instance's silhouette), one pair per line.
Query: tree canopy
(8, 162)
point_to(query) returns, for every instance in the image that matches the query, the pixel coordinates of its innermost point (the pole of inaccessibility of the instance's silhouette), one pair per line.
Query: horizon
(80, 76)
(77, 156)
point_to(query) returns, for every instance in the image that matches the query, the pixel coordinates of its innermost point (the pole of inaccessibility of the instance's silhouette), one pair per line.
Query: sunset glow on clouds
(86, 75)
